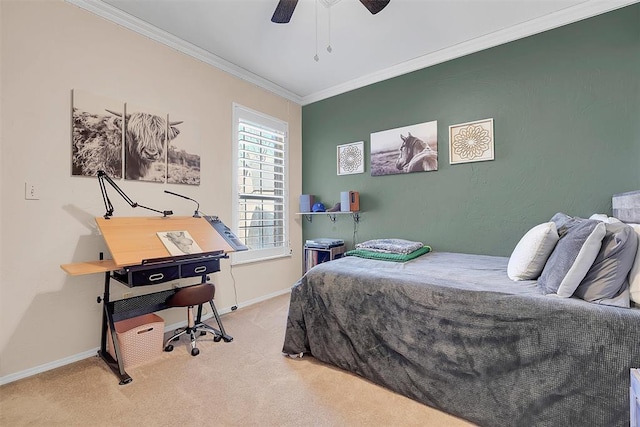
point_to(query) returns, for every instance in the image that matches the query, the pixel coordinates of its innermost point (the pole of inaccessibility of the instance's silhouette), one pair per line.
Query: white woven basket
(140, 339)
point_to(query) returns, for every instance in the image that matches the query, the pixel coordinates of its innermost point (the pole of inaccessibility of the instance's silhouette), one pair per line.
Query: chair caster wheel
(168, 348)
(217, 338)
(195, 352)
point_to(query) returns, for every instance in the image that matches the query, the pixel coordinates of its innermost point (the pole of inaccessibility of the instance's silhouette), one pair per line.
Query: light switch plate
(31, 191)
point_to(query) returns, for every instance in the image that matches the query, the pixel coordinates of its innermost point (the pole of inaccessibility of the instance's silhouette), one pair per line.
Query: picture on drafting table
(179, 242)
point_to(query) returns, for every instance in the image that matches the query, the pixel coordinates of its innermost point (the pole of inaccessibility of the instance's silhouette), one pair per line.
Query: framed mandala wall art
(471, 142)
(351, 158)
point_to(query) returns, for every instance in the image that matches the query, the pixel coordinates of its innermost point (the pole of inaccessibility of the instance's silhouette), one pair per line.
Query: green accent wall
(566, 110)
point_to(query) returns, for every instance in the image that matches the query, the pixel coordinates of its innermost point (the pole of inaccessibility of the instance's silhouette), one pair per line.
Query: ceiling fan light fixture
(328, 3)
(284, 9)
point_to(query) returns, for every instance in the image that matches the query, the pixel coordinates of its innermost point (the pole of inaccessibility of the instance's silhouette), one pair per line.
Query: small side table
(315, 256)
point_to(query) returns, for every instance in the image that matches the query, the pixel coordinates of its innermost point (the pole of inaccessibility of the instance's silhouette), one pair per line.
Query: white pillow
(532, 251)
(604, 218)
(634, 274)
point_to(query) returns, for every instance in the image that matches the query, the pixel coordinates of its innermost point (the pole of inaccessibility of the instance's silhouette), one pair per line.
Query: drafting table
(139, 258)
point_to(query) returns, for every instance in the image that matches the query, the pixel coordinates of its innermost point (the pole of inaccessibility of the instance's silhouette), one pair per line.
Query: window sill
(236, 261)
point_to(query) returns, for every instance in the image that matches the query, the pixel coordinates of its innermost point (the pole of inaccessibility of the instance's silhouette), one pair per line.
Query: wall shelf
(332, 215)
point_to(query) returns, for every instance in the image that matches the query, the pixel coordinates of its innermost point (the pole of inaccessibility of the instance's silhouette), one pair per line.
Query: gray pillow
(579, 244)
(607, 277)
(565, 222)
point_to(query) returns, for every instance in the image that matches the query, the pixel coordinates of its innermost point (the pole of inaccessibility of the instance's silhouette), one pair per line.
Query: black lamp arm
(102, 177)
(196, 214)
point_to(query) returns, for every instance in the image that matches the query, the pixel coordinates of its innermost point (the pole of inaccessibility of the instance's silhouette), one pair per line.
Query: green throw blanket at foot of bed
(363, 253)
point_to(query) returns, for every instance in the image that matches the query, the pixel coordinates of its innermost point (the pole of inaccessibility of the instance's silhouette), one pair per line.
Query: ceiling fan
(285, 8)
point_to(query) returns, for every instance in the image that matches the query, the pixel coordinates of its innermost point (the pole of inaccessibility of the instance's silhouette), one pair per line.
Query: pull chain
(316, 57)
(329, 49)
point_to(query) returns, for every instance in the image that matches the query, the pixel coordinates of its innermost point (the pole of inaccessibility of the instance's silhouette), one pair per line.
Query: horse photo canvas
(404, 150)
(97, 129)
(183, 154)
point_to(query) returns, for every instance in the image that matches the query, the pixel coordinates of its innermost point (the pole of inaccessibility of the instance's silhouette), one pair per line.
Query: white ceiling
(239, 37)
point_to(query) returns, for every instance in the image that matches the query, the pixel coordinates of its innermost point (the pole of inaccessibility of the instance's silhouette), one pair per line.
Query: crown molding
(557, 19)
(117, 16)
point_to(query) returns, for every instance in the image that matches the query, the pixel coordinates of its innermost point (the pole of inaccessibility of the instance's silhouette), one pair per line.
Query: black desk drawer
(149, 276)
(199, 268)
(155, 275)
(167, 269)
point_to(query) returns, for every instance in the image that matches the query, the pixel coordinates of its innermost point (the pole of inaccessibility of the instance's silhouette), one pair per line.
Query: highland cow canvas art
(132, 141)
(145, 139)
(183, 158)
(97, 135)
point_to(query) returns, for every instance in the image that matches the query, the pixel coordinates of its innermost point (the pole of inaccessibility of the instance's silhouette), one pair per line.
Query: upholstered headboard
(626, 206)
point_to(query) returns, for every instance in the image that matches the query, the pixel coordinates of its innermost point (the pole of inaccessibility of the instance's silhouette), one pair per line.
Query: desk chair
(189, 297)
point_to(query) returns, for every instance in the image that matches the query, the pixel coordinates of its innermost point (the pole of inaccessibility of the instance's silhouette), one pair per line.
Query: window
(261, 182)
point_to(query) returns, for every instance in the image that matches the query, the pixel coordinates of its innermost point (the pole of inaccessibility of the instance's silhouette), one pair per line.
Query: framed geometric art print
(471, 142)
(350, 158)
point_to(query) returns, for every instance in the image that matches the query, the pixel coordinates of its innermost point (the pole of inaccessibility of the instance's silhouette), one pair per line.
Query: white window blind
(260, 179)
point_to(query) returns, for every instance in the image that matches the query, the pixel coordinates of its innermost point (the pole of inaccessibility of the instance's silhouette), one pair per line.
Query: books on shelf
(325, 250)
(324, 243)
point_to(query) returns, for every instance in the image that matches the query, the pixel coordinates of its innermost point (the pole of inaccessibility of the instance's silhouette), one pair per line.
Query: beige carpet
(247, 382)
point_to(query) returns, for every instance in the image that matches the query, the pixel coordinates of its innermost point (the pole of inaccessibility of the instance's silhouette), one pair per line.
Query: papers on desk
(179, 242)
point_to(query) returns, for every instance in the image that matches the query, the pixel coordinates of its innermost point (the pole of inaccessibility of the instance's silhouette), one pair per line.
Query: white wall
(49, 48)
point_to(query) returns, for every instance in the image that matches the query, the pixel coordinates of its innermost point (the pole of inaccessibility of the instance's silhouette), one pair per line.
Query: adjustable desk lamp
(196, 214)
(102, 177)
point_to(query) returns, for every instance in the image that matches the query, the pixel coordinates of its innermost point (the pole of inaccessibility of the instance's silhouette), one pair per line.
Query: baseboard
(92, 352)
(47, 366)
(260, 299)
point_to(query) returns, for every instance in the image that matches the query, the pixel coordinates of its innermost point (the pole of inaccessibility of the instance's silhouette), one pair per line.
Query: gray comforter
(454, 332)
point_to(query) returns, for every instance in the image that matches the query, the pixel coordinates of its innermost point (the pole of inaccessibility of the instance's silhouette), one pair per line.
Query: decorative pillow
(532, 251)
(634, 274)
(599, 217)
(563, 222)
(607, 277)
(579, 244)
(604, 218)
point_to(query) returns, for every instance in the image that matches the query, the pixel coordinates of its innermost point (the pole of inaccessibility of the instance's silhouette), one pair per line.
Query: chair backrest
(192, 295)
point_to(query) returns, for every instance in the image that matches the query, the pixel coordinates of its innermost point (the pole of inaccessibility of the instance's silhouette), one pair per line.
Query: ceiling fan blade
(375, 6)
(284, 11)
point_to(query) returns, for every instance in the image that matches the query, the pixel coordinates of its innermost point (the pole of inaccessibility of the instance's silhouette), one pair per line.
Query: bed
(454, 332)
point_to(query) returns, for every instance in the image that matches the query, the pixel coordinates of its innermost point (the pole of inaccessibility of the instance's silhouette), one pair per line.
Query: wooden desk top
(134, 239)
(89, 267)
